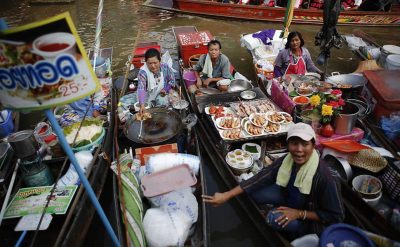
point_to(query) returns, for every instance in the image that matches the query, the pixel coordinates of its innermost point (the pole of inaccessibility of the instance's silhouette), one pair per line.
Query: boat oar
(3, 209)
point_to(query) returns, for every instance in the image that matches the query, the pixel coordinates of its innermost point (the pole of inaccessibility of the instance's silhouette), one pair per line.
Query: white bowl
(42, 45)
(255, 156)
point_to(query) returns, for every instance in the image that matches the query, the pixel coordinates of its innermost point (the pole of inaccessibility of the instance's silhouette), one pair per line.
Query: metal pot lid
(162, 126)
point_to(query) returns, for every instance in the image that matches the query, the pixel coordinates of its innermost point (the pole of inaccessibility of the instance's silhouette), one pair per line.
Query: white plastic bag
(167, 59)
(162, 161)
(71, 177)
(165, 229)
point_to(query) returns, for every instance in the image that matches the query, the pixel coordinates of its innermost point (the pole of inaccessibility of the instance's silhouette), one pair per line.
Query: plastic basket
(390, 178)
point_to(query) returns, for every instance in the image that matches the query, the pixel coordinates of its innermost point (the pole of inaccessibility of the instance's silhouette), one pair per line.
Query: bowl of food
(240, 161)
(324, 87)
(90, 135)
(248, 95)
(369, 187)
(275, 117)
(258, 119)
(253, 148)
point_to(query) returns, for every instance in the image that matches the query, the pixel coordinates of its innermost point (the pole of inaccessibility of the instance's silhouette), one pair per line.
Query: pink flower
(334, 104)
(341, 102)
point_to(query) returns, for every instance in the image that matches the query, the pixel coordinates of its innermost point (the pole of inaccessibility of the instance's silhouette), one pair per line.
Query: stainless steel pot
(23, 143)
(346, 119)
(239, 85)
(355, 80)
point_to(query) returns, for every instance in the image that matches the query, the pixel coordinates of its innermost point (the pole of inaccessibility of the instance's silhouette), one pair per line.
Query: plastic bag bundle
(162, 161)
(391, 125)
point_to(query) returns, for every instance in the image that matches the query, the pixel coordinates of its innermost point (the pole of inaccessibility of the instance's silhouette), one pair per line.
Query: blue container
(6, 127)
(337, 233)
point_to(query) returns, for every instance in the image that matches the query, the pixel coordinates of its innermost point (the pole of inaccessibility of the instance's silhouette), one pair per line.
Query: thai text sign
(43, 64)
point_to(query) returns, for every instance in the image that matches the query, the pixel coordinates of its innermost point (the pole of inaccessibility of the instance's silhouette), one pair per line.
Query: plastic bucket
(6, 123)
(393, 62)
(189, 77)
(345, 121)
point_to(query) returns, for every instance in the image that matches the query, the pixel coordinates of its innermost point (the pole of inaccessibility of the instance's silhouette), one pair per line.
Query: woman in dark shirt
(299, 185)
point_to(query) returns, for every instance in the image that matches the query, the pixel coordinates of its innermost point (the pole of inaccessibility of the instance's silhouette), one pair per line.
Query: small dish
(304, 92)
(253, 148)
(248, 95)
(227, 123)
(258, 119)
(301, 100)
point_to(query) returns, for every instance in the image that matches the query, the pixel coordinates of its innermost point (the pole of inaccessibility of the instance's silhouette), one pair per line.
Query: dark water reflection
(122, 20)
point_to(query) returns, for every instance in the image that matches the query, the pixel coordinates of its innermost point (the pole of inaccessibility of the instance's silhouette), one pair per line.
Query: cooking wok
(354, 79)
(162, 126)
(239, 85)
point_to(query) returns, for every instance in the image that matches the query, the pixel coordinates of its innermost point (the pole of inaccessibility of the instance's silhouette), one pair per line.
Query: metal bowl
(239, 85)
(248, 94)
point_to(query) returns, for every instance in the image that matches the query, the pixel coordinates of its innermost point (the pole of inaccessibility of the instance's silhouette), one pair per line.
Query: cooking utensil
(355, 80)
(209, 90)
(248, 95)
(23, 143)
(346, 146)
(239, 85)
(163, 125)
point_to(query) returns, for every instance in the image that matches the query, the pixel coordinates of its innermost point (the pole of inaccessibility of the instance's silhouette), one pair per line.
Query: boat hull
(275, 14)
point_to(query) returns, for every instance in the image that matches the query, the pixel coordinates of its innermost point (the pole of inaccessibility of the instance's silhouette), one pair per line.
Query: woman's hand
(288, 215)
(199, 82)
(217, 199)
(142, 110)
(207, 82)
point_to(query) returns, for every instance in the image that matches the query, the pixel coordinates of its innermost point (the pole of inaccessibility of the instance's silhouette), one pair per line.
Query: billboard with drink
(44, 64)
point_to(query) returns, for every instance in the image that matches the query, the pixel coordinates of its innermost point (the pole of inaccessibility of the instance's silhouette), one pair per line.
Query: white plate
(286, 114)
(219, 120)
(207, 110)
(274, 112)
(221, 133)
(252, 116)
(307, 94)
(268, 132)
(246, 127)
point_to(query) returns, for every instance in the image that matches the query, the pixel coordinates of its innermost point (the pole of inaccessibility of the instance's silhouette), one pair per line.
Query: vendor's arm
(198, 68)
(330, 209)
(169, 77)
(309, 62)
(265, 176)
(141, 92)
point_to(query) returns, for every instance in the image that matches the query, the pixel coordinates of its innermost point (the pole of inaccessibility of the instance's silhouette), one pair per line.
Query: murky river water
(124, 21)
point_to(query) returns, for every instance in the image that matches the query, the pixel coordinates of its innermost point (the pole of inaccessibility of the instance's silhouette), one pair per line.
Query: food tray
(345, 146)
(168, 180)
(246, 108)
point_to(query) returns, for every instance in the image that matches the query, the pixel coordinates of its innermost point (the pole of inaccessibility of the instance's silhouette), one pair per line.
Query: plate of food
(232, 134)
(228, 123)
(272, 128)
(258, 119)
(253, 130)
(275, 117)
(212, 109)
(287, 117)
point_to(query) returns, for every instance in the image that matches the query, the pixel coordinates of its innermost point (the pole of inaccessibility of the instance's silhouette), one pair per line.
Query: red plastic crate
(193, 43)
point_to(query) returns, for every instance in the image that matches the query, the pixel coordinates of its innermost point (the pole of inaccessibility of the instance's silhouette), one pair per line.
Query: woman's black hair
(152, 52)
(214, 42)
(291, 36)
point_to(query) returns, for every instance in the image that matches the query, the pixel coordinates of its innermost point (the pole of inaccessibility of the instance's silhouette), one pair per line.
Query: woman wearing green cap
(301, 188)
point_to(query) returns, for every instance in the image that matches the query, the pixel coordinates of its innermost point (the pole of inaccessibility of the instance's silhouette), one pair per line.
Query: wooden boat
(200, 235)
(277, 14)
(68, 229)
(358, 213)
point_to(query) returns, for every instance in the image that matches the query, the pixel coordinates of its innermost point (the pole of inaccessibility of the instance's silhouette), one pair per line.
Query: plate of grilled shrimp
(272, 128)
(253, 130)
(258, 119)
(232, 134)
(275, 117)
(228, 123)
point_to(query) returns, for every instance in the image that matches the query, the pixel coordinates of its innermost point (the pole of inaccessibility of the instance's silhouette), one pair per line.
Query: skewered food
(231, 134)
(258, 119)
(228, 123)
(272, 127)
(143, 116)
(254, 130)
(275, 117)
